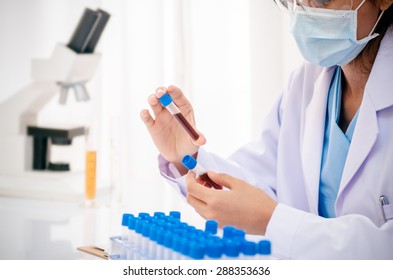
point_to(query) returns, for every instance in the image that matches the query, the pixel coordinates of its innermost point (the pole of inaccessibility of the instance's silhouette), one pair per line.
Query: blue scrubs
(335, 149)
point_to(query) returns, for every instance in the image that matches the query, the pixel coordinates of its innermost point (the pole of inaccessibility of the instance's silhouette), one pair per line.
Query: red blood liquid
(210, 181)
(187, 126)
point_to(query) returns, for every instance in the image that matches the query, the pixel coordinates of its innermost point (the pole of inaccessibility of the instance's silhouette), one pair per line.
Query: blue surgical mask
(328, 37)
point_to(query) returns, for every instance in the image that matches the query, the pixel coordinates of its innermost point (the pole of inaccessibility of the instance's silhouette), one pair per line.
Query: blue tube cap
(264, 247)
(131, 222)
(249, 248)
(159, 215)
(124, 221)
(138, 226)
(189, 162)
(232, 249)
(211, 226)
(168, 239)
(229, 231)
(143, 215)
(153, 233)
(196, 251)
(146, 229)
(214, 250)
(185, 246)
(239, 234)
(165, 100)
(176, 243)
(175, 214)
(160, 236)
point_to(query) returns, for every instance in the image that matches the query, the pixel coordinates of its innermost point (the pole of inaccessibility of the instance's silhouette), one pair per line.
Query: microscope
(26, 168)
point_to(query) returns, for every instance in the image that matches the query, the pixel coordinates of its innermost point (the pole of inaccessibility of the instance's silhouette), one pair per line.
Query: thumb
(224, 179)
(200, 141)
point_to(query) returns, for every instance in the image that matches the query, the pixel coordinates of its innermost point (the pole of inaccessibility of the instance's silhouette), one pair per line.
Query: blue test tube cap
(190, 229)
(229, 232)
(239, 234)
(175, 214)
(249, 248)
(185, 246)
(124, 220)
(153, 232)
(232, 248)
(165, 100)
(214, 250)
(160, 236)
(139, 225)
(200, 233)
(196, 251)
(131, 222)
(159, 215)
(168, 239)
(189, 162)
(264, 247)
(214, 239)
(176, 243)
(211, 226)
(143, 215)
(146, 229)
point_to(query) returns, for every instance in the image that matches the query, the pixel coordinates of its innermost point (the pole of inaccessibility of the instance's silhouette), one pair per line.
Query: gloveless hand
(170, 138)
(243, 205)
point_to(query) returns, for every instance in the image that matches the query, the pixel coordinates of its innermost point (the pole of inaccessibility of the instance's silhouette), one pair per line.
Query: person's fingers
(195, 189)
(160, 91)
(155, 104)
(147, 118)
(224, 179)
(178, 97)
(200, 141)
(197, 204)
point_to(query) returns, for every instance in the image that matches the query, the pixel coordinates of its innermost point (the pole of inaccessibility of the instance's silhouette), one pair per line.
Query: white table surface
(52, 230)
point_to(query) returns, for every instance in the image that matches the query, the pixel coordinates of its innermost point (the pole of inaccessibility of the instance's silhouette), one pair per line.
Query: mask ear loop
(361, 4)
(379, 18)
(375, 25)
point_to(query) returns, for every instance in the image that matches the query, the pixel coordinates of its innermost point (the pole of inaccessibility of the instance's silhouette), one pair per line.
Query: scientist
(319, 180)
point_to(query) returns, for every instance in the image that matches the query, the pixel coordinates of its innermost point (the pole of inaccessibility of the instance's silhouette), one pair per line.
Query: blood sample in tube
(167, 102)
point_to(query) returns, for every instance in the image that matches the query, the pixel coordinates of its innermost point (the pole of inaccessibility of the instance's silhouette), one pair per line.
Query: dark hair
(366, 58)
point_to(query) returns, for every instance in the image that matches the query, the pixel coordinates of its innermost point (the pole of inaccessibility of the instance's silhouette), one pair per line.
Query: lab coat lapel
(313, 137)
(378, 95)
(365, 135)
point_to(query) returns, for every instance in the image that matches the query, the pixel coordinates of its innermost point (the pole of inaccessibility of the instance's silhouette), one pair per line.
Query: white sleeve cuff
(282, 230)
(172, 175)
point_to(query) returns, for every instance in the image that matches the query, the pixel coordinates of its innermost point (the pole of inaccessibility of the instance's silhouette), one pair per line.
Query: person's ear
(385, 4)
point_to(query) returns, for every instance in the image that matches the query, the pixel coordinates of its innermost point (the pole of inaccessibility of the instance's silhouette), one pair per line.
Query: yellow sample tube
(90, 185)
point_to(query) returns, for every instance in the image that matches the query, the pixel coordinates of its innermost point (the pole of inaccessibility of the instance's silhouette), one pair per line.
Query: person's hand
(243, 205)
(171, 140)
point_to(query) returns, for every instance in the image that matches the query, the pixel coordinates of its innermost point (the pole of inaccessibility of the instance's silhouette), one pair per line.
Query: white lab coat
(286, 160)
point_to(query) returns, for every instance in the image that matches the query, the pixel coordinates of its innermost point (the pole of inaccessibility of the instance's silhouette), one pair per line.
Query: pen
(383, 200)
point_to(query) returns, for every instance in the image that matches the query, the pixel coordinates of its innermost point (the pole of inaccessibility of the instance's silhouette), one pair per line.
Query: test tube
(167, 102)
(91, 165)
(90, 176)
(190, 163)
(124, 224)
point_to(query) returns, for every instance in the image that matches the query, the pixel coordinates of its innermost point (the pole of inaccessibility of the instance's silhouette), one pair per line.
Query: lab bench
(33, 229)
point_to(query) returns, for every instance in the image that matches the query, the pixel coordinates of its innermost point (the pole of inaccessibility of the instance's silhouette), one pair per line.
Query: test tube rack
(166, 237)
